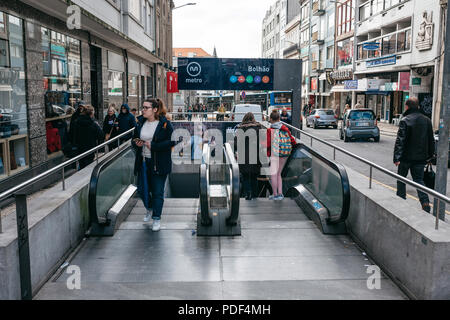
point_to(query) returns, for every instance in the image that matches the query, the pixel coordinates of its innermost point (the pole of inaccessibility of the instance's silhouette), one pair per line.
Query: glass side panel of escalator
(323, 181)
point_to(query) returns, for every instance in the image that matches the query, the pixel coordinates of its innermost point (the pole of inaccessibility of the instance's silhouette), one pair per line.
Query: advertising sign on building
(314, 84)
(381, 61)
(172, 82)
(403, 81)
(351, 85)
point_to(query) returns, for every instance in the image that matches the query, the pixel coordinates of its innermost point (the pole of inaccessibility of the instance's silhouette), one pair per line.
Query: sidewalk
(388, 129)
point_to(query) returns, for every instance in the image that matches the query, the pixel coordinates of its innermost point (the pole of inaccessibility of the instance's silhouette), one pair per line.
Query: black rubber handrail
(344, 180)
(204, 181)
(92, 199)
(235, 184)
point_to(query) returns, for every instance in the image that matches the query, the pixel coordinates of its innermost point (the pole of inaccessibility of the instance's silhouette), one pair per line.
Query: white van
(240, 110)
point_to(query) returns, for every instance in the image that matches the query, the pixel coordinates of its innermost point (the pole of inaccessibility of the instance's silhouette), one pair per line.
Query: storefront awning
(338, 88)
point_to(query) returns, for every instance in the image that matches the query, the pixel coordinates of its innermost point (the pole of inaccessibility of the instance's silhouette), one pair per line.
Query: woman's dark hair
(275, 115)
(157, 104)
(249, 117)
(88, 110)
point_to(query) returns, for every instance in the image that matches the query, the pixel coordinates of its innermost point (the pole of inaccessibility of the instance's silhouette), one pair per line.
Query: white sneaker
(148, 216)
(156, 225)
(272, 197)
(279, 197)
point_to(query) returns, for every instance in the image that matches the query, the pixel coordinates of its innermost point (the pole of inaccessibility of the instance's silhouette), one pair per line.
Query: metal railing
(208, 116)
(61, 167)
(372, 166)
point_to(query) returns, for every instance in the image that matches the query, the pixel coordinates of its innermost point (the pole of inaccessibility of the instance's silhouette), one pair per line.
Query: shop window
(4, 53)
(13, 111)
(61, 60)
(115, 83)
(62, 73)
(345, 52)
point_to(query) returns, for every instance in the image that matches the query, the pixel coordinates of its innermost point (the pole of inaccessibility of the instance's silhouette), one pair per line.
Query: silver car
(359, 123)
(322, 118)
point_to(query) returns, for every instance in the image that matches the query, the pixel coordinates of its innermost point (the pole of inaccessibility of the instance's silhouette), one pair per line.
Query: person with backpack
(280, 143)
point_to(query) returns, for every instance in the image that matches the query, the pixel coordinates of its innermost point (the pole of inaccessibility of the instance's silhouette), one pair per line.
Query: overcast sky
(233, 26)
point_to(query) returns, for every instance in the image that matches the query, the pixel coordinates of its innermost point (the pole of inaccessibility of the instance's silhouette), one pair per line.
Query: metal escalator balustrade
(219, 194)
(319, 186)
(111, 192)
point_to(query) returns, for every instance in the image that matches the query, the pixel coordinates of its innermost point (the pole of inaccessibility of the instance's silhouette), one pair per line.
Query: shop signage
(390, 86)
(172, 82)
(313, 83)
(403, 81)
(351, 85)
(416, 81)
(381, 61)
(345, 74)
(371, 46)
(59, 51)
(373, 84)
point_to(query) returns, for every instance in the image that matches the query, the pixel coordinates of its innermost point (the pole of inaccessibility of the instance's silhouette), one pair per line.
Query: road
(380, 153)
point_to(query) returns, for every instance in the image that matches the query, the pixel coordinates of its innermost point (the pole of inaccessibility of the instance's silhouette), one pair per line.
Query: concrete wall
(57, 222)
(401, 239)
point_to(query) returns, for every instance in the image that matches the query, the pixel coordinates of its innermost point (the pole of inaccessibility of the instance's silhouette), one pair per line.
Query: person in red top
(277, 159)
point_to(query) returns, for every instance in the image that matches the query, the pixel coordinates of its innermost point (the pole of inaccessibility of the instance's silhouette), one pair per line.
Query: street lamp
(355, 51)
(187, 4)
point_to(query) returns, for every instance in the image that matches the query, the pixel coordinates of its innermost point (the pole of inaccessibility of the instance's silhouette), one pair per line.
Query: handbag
(429, 176)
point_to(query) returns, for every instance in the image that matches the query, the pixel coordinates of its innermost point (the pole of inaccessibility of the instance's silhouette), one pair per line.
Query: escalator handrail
(235, 185)
(93, 184)
(204, 181)
(344, 180)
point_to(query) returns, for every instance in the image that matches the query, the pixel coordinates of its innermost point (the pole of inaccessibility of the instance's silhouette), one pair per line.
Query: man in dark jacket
(285, 117)
(414, 147)
(125, 122)
(87, 134)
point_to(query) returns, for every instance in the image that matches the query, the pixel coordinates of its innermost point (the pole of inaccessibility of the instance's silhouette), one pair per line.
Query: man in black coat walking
(414, 147)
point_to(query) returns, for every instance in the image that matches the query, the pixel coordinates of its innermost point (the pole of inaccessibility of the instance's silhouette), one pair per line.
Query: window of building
(62, 72)
(14, 155)
(331, 23)
(345, 17)
(345, 52)
(134, 8)
(330, 53)
(404, 41)
(305, 11)
(151, 18)
(115, 83)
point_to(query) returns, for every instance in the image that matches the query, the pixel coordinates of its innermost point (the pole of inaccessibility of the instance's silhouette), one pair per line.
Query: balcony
(318, 8)
(291, 50)
(314, 65)
(315, 36)
(317, 39)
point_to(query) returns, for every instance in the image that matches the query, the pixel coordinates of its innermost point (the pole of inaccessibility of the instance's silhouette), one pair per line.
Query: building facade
(272, 31)
(103, 52)
(397, 55)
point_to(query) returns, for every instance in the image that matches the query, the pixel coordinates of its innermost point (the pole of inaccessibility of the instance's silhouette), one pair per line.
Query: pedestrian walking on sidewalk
(109, 127)
(125, 122)
(280, 143)
(153, 163)
(414, 148)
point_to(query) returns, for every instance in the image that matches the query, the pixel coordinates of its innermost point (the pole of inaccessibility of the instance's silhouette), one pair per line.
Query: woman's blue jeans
(151, 182)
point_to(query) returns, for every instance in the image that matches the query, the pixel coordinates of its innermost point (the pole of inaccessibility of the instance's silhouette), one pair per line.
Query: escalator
(219, 246)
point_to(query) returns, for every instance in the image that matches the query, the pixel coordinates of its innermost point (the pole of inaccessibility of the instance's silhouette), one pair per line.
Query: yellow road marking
(394, 189)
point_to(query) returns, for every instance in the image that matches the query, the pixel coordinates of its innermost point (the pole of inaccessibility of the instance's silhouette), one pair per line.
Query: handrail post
(334, 153)
(1, 229)
(370, 179)
(311, 141)
(437, 213)
(63, 180)
(24, 246)
(96, 155)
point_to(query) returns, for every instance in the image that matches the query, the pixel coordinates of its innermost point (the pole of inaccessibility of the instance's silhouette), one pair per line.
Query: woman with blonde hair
(153, 163)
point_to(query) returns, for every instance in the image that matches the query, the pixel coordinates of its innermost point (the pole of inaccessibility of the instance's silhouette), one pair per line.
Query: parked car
(436, 141)
(359, 123)
(322, 118)
(239, 111)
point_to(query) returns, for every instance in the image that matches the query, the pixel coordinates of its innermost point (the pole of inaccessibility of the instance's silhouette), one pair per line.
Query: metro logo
(194, 69)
